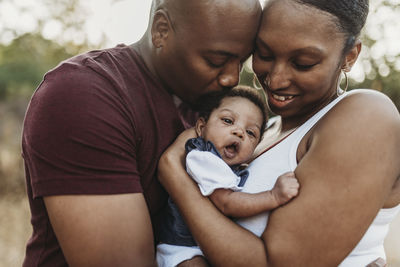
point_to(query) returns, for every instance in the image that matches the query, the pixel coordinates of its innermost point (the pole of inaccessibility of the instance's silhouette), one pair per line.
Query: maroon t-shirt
(97, 124)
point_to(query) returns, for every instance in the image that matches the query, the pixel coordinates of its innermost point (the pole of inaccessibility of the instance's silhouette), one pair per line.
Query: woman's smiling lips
(280, 100)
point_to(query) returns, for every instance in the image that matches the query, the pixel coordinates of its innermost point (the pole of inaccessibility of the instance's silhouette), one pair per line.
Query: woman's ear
(352, 56)
(200, 124)
(160, 28)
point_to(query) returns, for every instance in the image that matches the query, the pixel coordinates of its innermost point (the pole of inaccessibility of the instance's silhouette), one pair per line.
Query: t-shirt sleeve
(79, 136)
(210, 172)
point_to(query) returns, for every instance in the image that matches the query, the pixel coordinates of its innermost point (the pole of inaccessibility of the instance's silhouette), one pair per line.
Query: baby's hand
(285, 188)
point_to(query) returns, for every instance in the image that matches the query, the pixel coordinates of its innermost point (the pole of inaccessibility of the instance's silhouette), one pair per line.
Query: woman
(345, 150)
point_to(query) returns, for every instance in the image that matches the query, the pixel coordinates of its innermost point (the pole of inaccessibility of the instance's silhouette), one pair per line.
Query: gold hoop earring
(339, 90)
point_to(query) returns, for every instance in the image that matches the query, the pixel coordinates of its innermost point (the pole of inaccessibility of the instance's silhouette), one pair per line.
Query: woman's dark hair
(209, 102)
(350, 15)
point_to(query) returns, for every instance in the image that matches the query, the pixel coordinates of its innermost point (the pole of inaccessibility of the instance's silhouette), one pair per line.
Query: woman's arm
(346, 174)
(224, 244)
(351, 165)
(239, 204)
(394, 197)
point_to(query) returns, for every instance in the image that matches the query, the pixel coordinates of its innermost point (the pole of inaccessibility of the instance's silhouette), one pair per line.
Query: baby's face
(234, 129)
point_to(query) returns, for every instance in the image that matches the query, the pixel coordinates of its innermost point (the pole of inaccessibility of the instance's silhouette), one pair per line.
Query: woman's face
(297, 59)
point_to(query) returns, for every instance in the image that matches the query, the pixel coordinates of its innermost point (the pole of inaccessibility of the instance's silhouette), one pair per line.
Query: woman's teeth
(282, 98)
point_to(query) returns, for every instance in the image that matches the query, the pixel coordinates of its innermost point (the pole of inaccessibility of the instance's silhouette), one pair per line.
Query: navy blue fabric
(173, 230)
(202, 145)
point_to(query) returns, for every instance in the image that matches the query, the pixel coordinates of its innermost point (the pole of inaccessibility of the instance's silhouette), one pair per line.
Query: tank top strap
(303, 129)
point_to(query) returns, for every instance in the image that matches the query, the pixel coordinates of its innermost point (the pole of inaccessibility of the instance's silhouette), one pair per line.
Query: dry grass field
(15, 230)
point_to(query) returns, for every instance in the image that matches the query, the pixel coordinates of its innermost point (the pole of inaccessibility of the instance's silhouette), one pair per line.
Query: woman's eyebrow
(309, 50)
(305, 50)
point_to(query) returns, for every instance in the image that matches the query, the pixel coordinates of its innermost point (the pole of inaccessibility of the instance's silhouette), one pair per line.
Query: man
(98, 123)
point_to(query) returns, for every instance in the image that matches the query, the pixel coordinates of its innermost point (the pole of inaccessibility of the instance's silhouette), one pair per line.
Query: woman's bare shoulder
(370, 100)
(365, 110)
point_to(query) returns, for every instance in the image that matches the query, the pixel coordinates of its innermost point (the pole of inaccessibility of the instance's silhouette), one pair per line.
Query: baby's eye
(251, 133)
(226, 120)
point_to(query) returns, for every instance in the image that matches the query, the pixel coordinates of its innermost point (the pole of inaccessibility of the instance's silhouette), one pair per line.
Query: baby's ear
(200, 124)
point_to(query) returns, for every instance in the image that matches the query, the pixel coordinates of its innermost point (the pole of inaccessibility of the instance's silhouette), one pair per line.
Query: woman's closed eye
(303, 67)
(304, 62)
(264, 56)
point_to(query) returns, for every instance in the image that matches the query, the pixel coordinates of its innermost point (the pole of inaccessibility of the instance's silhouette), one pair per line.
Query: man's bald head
(198, 46)
(183, 13)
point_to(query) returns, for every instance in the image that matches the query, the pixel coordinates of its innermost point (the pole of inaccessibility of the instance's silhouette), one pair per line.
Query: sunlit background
(110, 22)
(37, 34)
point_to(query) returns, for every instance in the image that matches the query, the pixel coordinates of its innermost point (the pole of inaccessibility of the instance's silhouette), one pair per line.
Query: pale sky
(124, 21)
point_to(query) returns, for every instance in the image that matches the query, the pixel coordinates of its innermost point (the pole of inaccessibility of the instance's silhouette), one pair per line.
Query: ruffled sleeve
(211, 172)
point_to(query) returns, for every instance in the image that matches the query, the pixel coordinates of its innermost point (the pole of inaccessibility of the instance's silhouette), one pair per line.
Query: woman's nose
(279, 77)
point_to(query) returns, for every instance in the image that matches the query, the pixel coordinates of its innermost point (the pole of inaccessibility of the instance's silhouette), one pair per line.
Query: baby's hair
(208, 103)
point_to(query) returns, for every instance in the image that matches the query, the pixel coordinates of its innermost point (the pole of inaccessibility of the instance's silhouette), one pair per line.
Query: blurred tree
(26, 55)
(24, 61)
(380, 58)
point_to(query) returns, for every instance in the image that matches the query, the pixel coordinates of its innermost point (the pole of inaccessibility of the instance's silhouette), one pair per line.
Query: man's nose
(229, 76)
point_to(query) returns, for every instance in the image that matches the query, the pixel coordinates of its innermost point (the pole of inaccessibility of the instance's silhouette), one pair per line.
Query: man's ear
(200, 124)
(160, 28)
(352, 56)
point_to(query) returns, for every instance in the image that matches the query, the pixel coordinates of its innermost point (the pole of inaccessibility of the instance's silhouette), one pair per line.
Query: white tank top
(281, 158)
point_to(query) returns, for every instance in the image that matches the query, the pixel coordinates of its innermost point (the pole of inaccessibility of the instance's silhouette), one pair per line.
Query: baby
(230, 127)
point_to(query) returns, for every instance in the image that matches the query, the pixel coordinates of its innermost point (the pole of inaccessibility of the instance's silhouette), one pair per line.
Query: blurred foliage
(24, 61)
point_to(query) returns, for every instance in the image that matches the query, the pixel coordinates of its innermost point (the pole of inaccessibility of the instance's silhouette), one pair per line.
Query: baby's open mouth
(231, 150)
